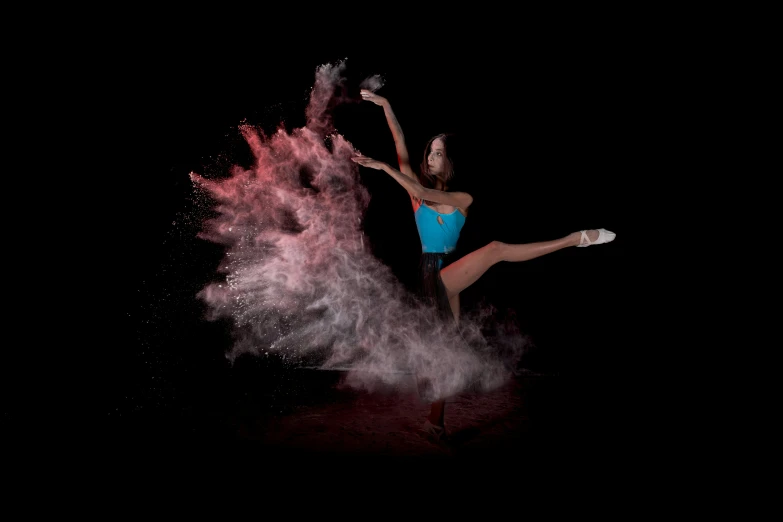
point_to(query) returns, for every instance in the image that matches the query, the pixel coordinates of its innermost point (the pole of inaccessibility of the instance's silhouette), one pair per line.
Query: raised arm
(399, 138)
(415, 189)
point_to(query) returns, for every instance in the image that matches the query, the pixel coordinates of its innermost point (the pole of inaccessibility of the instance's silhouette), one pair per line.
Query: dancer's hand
(371, 96)
(364, 161)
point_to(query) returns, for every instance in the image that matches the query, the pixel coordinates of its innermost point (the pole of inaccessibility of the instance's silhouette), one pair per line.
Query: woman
(440, 215)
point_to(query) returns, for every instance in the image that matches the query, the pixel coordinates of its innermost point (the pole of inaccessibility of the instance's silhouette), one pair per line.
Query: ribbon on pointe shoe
(604, 236)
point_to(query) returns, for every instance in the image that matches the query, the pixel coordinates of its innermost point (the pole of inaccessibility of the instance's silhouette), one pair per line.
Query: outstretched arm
(399, 138)
(415, 189)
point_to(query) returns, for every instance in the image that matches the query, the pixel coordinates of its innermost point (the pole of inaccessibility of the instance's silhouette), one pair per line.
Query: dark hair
(427, 179)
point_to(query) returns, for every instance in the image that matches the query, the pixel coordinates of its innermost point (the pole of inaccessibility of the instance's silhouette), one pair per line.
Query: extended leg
(465, 271)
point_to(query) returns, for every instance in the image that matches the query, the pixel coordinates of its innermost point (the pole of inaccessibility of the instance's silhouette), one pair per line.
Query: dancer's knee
(496, 250)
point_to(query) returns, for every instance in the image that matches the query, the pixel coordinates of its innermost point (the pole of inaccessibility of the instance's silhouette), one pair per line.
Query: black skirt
(430, 286)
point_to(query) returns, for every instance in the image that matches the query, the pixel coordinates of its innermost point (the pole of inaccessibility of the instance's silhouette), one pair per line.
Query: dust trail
(299, 282)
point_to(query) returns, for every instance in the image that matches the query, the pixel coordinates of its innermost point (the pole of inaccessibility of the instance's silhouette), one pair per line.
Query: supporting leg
(437, 412)
(438, 408)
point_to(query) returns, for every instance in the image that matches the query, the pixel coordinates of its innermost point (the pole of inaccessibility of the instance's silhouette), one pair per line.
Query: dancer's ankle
(435, 422)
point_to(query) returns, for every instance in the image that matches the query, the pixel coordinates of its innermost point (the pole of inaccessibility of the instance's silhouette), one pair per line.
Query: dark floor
(309, 415)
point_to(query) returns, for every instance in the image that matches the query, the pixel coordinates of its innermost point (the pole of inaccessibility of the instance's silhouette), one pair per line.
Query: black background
(561, 122)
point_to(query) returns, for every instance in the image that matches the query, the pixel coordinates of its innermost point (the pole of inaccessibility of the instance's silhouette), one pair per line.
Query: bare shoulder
(466, 200)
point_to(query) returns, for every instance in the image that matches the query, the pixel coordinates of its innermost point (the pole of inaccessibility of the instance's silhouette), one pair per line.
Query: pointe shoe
(438, 433)
(604, 236)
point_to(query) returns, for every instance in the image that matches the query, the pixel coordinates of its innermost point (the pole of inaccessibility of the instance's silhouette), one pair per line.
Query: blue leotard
(438, 247)
(436, 237)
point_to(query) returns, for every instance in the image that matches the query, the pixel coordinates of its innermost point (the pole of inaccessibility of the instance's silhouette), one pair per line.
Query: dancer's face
(436, 157)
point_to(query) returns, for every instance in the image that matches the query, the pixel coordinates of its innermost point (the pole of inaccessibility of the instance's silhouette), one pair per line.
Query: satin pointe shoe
(437, 433)
(604, 236)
